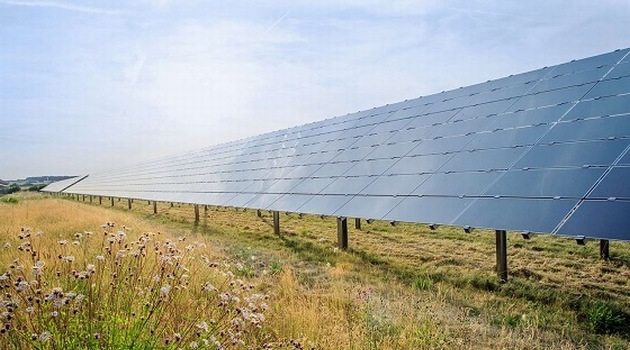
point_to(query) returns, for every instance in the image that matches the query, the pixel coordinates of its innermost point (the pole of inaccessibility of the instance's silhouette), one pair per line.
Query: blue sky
(87, 85)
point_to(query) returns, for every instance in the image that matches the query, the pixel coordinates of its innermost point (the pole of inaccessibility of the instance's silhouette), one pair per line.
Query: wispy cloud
(277, 21)
(63, 6)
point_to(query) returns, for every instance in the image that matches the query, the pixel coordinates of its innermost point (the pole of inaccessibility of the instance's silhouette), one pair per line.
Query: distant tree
(13, 188)
(36, 188)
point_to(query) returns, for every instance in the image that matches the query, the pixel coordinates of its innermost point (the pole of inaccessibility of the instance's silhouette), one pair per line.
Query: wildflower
(22, 286)
(156, 278)
(194, 345)
(165, 290)
(76, 243)
(203, 326)
(38, 234)
(7, 245)
(68, 258)
(44, 336)
(4, 277)
(78, 235)
(39, 264)
(100, 258)
(208, 287)
(79, 297)
(62, 242)
(90, 268)
(30, 309)
(54, 314)
(121, 235)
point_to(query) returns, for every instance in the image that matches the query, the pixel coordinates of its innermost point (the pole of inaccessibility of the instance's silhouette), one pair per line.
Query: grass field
(397, 287)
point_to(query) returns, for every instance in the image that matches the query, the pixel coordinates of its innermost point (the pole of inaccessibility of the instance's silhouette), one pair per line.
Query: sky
(90, 85)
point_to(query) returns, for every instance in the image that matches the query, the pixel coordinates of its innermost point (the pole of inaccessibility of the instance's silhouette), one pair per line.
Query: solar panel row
(543, 151)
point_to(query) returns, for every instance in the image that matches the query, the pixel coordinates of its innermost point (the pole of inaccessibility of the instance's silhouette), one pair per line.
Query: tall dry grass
(79, 277)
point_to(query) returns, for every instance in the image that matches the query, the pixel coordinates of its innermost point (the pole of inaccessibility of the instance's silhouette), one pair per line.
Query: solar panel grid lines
(539, 142)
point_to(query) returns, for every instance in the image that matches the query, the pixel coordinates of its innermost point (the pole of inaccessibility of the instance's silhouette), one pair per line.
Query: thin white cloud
(63, 6)
(277, 21)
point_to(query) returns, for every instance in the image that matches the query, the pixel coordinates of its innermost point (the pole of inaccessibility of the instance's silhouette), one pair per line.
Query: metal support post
(604, 249)
(154, 207)
(259, 213)
(196, 213)
(342, 233)
(357, 223)
(112, 198)
(502, 267)
(276, 222)
(129, 203)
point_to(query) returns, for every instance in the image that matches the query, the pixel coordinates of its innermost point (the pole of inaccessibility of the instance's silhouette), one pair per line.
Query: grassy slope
(397, 287)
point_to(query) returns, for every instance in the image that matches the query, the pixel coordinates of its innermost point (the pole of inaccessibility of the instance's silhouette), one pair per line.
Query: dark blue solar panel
(600, 107)
(483, 160)
(622, 70)
(605, 219)
(457, 184)
(369, 207)
(536, 215)
(543, 115)
(574, 182)
(591, 129)
(616, 184)
(439, 210)
(611, 87)
(593, 153)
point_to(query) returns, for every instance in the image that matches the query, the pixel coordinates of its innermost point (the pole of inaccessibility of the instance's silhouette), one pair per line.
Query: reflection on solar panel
(59, 186)
(543, 151)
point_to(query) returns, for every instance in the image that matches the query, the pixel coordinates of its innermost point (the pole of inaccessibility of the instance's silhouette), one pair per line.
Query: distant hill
(36, 180)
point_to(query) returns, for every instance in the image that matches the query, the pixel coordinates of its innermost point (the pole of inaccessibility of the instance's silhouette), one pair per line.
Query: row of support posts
(342, 234)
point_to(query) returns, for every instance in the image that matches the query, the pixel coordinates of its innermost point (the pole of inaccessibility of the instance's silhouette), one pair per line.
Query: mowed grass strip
(398, 287)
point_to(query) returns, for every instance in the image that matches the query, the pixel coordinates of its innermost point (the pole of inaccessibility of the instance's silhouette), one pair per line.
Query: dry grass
(402, 287)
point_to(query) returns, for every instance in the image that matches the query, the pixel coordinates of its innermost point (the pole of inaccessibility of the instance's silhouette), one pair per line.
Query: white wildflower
(22, 286)
(165, 290)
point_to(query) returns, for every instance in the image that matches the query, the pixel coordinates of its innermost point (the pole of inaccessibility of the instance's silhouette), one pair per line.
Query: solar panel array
(543, 151)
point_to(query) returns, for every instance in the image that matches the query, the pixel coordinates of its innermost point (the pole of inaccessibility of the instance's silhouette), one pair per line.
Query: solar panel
(59, 186)
(543, 151)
